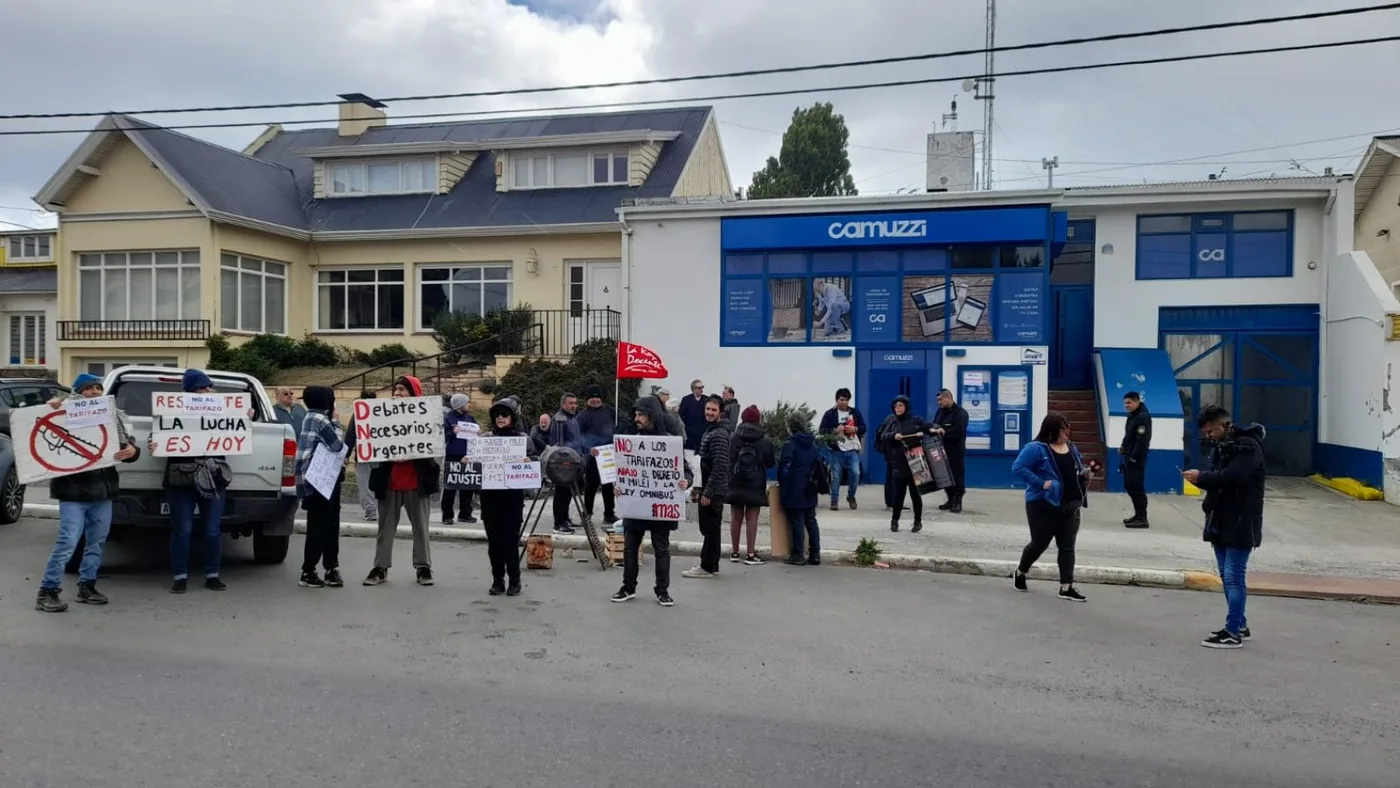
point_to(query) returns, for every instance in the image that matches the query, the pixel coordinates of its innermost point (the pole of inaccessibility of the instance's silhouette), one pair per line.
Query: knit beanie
(459, 400)
(84, 380)
(751, 415)
(194, 380)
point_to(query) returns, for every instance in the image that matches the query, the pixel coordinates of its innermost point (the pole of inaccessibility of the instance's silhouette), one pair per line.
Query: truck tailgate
(259, 472)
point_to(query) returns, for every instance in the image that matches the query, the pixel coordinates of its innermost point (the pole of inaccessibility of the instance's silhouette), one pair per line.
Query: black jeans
(592, 483)
(451, 496)
(710, 517)
(901, 487)
(803, 523)
(563, 497)
(958, 467)
(503, 544)
(661, 551)
(1135, 485)
(1048, 522)
(322, 532)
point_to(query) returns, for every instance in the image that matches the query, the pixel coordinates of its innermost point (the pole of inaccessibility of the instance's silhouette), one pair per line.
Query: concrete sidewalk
(1317, 543)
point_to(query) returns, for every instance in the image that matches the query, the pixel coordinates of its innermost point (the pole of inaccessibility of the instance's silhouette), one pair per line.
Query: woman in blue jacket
(1057, 486)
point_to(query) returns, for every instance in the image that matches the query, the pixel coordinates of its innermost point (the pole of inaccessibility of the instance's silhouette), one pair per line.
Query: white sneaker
(696, 573)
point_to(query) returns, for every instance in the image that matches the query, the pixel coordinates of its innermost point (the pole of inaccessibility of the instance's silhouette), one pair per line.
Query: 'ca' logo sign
(877, 318)
(1212, 255)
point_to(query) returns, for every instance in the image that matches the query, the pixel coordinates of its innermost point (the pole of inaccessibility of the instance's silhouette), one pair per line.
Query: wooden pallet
(616, 545)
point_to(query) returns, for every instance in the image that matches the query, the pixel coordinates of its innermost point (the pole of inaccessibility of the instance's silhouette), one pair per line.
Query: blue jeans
(844, 463)
(211, 515)
(91, 521)
(800, 522)
(1232, 562)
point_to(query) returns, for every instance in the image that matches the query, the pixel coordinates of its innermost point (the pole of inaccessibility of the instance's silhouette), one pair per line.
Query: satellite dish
(969, 85)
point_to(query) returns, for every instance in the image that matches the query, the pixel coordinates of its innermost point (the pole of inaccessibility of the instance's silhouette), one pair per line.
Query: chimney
(360, 113)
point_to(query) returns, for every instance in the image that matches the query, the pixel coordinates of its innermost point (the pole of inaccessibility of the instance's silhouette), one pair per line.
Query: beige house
(361, 235)
(1378, 208)
(28, 303)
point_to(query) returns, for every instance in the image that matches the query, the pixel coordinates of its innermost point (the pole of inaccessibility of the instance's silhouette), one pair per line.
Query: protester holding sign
(320, 432)
(659, 458)
(409, 426)
(84, 511)
(502, 511)
(460, 427)
(196, 481)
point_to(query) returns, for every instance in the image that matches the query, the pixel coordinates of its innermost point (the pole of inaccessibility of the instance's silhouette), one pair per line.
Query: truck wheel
(11, 498)
(270, 549)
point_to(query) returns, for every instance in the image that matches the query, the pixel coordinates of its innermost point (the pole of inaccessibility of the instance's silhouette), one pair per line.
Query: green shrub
(313, 352)
(240, 359)
(867, 552)
(487, 385)
(385, 354)
(483, 336)
(540, 383)
(775, 421)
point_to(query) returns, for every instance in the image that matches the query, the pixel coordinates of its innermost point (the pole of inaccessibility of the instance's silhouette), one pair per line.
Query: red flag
(637, 361)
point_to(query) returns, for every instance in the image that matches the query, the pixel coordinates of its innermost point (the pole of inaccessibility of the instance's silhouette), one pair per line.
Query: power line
(773, 93)
(749, 72)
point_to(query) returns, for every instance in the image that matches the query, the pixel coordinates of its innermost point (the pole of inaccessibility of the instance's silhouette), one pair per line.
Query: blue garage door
(1260, 364)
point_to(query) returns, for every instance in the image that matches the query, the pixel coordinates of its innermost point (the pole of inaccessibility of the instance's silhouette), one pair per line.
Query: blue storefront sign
(914, 228)
(876, 309)
(743, 311)
(1021, 308)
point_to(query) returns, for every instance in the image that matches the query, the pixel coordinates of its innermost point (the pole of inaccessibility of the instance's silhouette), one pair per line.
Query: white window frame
(41, 244)
(37, 334)
(420, 326)
(358, 171)
(102, 367)
(263, 276)
(378, 284)
(187, 263)
(523, 165)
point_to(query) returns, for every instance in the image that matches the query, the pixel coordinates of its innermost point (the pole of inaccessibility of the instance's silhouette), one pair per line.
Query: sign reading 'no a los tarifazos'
(399, 429)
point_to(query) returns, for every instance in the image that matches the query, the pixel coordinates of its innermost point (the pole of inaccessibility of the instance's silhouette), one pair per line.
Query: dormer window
(357, 179)
(569, 169)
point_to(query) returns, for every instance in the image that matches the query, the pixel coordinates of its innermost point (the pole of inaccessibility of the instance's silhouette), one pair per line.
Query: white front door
(594, 301)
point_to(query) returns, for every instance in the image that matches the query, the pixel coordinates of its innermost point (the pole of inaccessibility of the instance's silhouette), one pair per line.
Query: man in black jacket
(596, 425)
(950, 423)
(649, 418)
(1137, 441)
(1234, 509)
(84, 512)
(714, 479)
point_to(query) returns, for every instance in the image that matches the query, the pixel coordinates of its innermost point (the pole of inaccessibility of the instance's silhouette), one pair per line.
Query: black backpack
(819, 478)
(747, 471)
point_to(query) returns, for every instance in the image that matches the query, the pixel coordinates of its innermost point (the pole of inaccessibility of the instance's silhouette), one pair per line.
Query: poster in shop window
(976, 399)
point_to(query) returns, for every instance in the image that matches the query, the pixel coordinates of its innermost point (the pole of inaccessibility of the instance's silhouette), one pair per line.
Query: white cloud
(145, 53)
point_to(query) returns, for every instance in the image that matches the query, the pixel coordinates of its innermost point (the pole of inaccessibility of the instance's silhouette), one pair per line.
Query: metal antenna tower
(982, 90)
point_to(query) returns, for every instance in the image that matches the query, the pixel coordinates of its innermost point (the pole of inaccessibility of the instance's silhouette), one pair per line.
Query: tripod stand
(536, 511)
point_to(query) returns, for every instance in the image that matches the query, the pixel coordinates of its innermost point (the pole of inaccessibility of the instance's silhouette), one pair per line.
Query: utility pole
(1049, 166)
(988, 79)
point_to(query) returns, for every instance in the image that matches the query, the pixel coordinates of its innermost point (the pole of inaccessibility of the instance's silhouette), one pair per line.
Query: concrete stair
(1080, 409)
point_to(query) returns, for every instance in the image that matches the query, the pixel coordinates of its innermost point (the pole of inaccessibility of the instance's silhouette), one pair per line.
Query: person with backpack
(750, 457)
(802, 476)
(902, 425)
(714, 462)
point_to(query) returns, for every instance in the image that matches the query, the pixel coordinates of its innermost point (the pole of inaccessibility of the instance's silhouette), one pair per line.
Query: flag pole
(617, 381)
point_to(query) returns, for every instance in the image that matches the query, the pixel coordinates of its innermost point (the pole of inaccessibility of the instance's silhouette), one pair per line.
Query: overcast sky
(1308, 110)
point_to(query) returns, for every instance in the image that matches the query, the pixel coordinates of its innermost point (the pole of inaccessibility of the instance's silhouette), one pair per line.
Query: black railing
(566, 329)
(108, 330)
(524, 341)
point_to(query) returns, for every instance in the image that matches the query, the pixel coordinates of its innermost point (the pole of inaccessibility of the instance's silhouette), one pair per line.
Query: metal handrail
(412, 364)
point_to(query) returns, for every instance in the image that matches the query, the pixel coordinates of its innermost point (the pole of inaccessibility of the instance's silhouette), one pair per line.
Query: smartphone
(971, 313)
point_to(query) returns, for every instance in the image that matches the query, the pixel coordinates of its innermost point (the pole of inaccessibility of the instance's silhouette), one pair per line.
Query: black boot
(498, 587)
(946, 505)
(955, 505)
(514, 588)
(894, 523)
(918, 526)
(1135, 522)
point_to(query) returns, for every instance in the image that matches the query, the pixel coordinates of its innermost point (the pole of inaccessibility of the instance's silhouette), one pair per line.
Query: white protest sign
(496, 449)
(649, 471)
(522, 476)
(323, 472)
(47, 446)
(398, 429)
(607, 464)
(464, 430)
(89, 412)
(200, 425)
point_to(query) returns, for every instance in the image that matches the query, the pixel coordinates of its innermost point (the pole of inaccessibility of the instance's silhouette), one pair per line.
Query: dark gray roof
(275, 184)
(28, 280)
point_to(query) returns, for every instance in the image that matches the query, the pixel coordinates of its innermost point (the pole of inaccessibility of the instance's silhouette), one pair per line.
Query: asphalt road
(768, 676)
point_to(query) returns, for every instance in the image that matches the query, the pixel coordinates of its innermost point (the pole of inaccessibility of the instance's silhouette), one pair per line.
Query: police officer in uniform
(950, 423)
(1137, 440)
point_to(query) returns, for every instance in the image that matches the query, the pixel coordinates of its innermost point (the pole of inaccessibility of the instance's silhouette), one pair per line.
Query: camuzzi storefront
(790, 300)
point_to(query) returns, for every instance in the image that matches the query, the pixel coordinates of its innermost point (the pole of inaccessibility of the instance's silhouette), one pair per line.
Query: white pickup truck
(262, 499)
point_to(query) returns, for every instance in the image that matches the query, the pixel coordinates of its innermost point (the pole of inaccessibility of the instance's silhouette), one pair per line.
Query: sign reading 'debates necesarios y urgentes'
(399, 429)
(649, 472)
(200, 425)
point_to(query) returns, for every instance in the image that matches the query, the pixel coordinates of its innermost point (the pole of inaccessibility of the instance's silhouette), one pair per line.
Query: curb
(986, 567)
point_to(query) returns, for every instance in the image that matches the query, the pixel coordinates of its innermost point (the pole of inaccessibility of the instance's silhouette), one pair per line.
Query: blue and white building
(1214, 292)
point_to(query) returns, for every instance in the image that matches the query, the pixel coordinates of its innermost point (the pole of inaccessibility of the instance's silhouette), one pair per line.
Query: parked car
(262, 499)
(24, 392)
(11, 491)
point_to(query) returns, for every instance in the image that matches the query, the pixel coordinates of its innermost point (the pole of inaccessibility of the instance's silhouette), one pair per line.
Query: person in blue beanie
(196, 483)
(84, 511)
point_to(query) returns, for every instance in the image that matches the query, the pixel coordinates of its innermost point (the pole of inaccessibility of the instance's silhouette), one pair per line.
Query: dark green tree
(813, 161)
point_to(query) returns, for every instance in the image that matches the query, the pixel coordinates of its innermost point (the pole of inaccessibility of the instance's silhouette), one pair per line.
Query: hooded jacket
(893, 450)
(505, 507)
(456, 448)
(795, 472)
(755, 491)
(1234, 488)
(98, 485)
(596, 426)
(317, 429)
(652, 408)
(953, 420)
(427, 471)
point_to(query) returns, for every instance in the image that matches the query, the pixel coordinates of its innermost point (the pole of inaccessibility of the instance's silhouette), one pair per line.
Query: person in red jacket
(408, 485)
